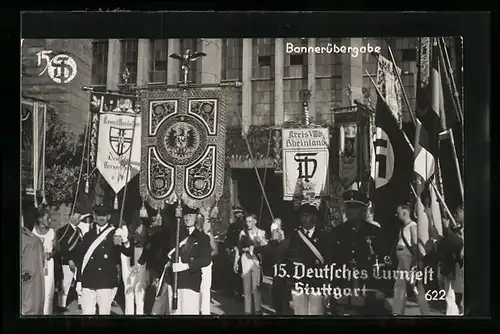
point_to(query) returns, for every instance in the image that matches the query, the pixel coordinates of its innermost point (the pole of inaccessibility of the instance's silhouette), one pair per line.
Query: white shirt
(84, 227)
(407, 234)
(310, 232)
(47, 239)
(99, 229)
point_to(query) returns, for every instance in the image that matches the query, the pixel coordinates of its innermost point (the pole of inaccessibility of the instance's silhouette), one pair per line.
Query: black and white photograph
(243, 176)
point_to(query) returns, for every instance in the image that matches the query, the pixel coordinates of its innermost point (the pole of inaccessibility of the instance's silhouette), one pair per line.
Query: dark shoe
(258, 313)
(79, 307)
(62, 309)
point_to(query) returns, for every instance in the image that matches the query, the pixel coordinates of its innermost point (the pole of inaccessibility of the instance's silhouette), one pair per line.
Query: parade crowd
(316, 267)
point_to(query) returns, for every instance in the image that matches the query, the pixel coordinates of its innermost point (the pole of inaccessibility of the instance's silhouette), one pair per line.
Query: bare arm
(414, 235)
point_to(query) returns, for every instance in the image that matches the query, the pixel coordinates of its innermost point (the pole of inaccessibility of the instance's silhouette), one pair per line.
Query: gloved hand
(78, 288)
(122, 232)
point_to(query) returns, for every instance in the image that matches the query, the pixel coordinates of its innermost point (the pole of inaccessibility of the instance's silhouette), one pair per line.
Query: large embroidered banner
(119, 144)
(183, 144)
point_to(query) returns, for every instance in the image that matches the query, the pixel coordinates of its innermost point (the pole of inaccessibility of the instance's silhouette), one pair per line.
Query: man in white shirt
(406, 249)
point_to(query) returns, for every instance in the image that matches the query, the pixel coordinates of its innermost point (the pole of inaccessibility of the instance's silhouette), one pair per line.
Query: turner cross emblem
(61, 68)
(304, 160)
(120, 139)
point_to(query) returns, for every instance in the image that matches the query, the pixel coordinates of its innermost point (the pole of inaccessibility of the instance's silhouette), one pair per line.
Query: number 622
(435, 295)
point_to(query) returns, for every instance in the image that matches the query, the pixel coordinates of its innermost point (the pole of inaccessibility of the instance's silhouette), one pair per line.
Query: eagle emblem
(181, 140)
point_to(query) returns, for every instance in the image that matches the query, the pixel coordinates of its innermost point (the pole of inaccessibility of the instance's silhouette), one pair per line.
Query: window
(129, 60)
(263, 58)
(298, 60)
(329, 95)
(159, 60)
(192, 44)
(262, 102)
(328, 64)
(295, 64)
(409, 55)
(99, 63)
(292, 102)
(232, 58)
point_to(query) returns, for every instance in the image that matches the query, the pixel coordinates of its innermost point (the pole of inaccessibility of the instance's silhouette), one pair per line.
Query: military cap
(238, 209)
(102, 210)
(355, 197)
(82, 217)
(307, 208)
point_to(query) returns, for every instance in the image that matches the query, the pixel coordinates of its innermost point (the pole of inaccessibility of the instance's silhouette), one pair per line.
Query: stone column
(211, 64)
(173, 66)
(143, 62)
(246, 93)
(311, 78)
(279, 58)
(352, 72)
(114, 62)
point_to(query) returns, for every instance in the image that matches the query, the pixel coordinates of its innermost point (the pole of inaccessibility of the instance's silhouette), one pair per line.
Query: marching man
(68, 237)
(307, 250)
(194, 254)
(97, 257)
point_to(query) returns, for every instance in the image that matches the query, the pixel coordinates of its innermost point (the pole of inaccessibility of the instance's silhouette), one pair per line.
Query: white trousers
(134, 289)
(49, 286)
(101, 297)
(206, 285)
(451, 304)
(68, 277)
(188, 302)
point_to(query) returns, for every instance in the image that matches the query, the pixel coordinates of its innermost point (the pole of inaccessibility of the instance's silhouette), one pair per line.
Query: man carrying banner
(307, 251)
(194, 254)
(97, 257)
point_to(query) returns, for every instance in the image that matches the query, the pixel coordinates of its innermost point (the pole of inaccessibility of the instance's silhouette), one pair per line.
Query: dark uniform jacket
(197, 253)
(298, 251)
(357, 247)
(156, 248)
(32, 274)
(233, 234)
(68, 237)
(101, 269)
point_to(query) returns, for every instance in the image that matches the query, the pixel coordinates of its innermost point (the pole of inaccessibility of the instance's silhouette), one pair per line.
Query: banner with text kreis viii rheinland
(183, 146)
(305, 159)
(119, 144)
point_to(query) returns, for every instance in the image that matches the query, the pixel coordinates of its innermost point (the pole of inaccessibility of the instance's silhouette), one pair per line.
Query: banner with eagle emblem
(119, 144)
(183, 146)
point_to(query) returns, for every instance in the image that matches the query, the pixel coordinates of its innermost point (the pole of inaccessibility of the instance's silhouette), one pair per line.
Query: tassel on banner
(87, 185)
(143, 213)
(44, 199)
(115, 205)
(35, 203)
(157, 219)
